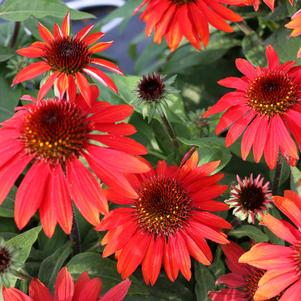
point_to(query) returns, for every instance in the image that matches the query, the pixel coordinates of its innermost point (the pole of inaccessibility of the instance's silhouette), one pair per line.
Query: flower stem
(170, 131)
(14, 37)
(277, 176)
(244, 27)
(75, 235)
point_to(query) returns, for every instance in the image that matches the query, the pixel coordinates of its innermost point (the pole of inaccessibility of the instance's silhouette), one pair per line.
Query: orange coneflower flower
(241, 282)
(167, 222)
(175, 19)
(84, 289)
(68, 59)
(265, 109)
(282, 263)
(53, 137)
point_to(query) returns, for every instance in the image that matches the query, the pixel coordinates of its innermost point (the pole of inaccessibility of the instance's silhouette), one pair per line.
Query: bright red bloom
(167, 222)
(175, 19)
(84, 289)
(269, 3)
(53, 137)
(242, 282)
(295, 25)
(68, 58)
(265, 109)
(283, 263)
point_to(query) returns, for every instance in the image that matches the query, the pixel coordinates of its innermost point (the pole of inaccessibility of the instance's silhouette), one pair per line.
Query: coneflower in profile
(153, 93)
(250, 198)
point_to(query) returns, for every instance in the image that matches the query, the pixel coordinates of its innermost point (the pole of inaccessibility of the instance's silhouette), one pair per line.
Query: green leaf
(23, 242)
(6, 53)
(210, 149)
(20, 10)
(52, 264)
(295, 177)
(96, 266)
(7, 208)
(285, 46)
(254, 49)
(9, 98)
(249, 231)
(204, 282)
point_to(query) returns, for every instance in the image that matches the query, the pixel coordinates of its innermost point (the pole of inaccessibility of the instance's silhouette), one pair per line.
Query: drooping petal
(118, 292)
(64, 286)
(38, 291)
(33, 188)
(31, 71)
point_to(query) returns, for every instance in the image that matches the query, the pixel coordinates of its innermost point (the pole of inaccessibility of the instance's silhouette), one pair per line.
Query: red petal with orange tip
(107, 64)
(102, 46)
(45, 34)
(31, 52)
(47, 85)
(84, 87)
(101, 77)
(31, 71)
(66, 25)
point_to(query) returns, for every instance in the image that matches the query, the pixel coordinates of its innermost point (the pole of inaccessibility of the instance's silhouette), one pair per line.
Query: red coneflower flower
(175, 19)
(269, 3)
(68, 58)
(167, 222)
(265, 109)
(283, 263)
(242, 282)
(250, 198)
(84, 289)
(295, 25)
(53, 136)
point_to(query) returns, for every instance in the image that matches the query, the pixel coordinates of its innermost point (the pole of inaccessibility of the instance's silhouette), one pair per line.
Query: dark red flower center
(5, 259)
(67, 55)
(55, 130)
(272, 93)
(151, 87)
(251, 284)
(252, 197)
(163, 206)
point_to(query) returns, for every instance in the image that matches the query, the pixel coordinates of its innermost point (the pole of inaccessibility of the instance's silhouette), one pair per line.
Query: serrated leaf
(20, 10)
(249, 231)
